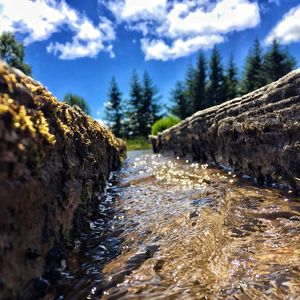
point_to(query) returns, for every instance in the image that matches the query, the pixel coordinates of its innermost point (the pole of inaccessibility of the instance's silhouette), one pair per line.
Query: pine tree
(135, 104)
(254, 71)
(12, 52)
(232, 83)
(178, 96)
(114, 110)
(199, 95)
(277, 62)
(216, 85)
(150, 107)
(190, 88)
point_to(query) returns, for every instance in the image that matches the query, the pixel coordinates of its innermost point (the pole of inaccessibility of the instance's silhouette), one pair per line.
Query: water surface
(172, 229)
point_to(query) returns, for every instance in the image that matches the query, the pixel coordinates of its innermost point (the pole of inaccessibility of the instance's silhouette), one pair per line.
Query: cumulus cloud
(159, 50)
(38, 20)
(287, 29)
(172, 29)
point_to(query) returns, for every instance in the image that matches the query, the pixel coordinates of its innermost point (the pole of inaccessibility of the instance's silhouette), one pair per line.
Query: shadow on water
(173, 229)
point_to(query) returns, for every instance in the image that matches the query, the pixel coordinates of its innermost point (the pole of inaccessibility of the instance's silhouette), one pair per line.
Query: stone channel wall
(257, 134)
(54, 161)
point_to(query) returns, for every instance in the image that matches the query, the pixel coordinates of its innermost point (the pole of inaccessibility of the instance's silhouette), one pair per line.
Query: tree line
(209, 83)
(206, 84)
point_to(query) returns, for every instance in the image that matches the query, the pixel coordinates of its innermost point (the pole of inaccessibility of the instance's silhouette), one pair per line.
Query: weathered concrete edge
(54, 161)
(257, 134)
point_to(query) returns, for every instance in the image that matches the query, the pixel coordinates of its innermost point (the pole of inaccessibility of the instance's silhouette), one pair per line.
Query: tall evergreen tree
(277, 62)
(178, 97)
(199, 95)
(135, 106)
(232, 83)
(254, 71)
(190, 88)
(114, 110)
(150, 107)
(12, 52)
(216, 84)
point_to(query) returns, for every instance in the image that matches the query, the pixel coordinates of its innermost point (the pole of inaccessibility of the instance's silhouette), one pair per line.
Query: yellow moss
(10, 80)
(23, 121)
(43, 128)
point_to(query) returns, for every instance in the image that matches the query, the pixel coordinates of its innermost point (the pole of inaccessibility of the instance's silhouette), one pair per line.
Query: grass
(138, 144)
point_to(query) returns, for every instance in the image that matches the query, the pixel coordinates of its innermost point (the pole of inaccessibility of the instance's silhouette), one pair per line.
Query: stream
(174, 229)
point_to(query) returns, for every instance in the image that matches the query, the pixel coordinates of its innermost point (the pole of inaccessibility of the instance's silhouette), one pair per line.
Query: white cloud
(39, 19)
(136, 10)
(287, 29)
(173, 28)
(159, 50)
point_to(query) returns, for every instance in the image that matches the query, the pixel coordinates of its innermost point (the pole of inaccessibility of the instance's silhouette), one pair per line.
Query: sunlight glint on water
(175, 229)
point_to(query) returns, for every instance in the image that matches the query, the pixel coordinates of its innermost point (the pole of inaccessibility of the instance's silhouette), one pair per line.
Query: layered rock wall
(54, 160)
(257, 134)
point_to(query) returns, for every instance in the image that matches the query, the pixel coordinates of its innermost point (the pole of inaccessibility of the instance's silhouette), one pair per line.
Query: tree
(149, 108)
(73, 99)
(254, 71)
(190, 88)
(277, 62)
(199, 94)
(178, 96)
(12, 52)
(114, 109)
(216, 85)
(135, 118)
(232, 83)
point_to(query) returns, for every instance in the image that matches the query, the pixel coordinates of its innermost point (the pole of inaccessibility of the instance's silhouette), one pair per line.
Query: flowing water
(171, 229)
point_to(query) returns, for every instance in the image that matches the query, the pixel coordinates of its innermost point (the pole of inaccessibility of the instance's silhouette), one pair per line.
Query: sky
(78, 45)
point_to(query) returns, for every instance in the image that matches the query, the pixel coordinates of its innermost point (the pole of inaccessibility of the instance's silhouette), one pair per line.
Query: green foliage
(134, 117)
(139, 143)
(190, 87)
(216, 84)
(199, 99)
(143, 108)
(73, 99)
(12, 52)
(181, 104)
(163, 124)
(254, 77)
(277, 62)
(232, 83)
(114, 109)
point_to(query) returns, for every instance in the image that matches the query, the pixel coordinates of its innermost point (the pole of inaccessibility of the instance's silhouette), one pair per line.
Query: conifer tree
(216, 84)
(199, 95)
(232, 83)
(254, 71)
(135, 104)
(190, 88)
(178, 97)
(277, 62)
(114, 110)
(150, 107)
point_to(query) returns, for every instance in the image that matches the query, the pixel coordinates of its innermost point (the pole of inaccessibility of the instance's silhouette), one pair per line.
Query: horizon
(76, 47)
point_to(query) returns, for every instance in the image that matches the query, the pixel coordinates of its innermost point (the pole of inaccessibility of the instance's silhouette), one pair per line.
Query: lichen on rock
(54, 160)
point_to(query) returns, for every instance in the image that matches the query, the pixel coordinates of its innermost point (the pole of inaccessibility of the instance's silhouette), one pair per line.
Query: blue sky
(77, 46)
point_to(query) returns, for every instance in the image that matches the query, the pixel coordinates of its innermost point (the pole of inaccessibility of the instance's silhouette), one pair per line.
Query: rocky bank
(54, 161)
(257, 134)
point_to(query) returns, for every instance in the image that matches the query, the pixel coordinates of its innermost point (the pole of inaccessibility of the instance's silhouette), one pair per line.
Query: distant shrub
(163, 124)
